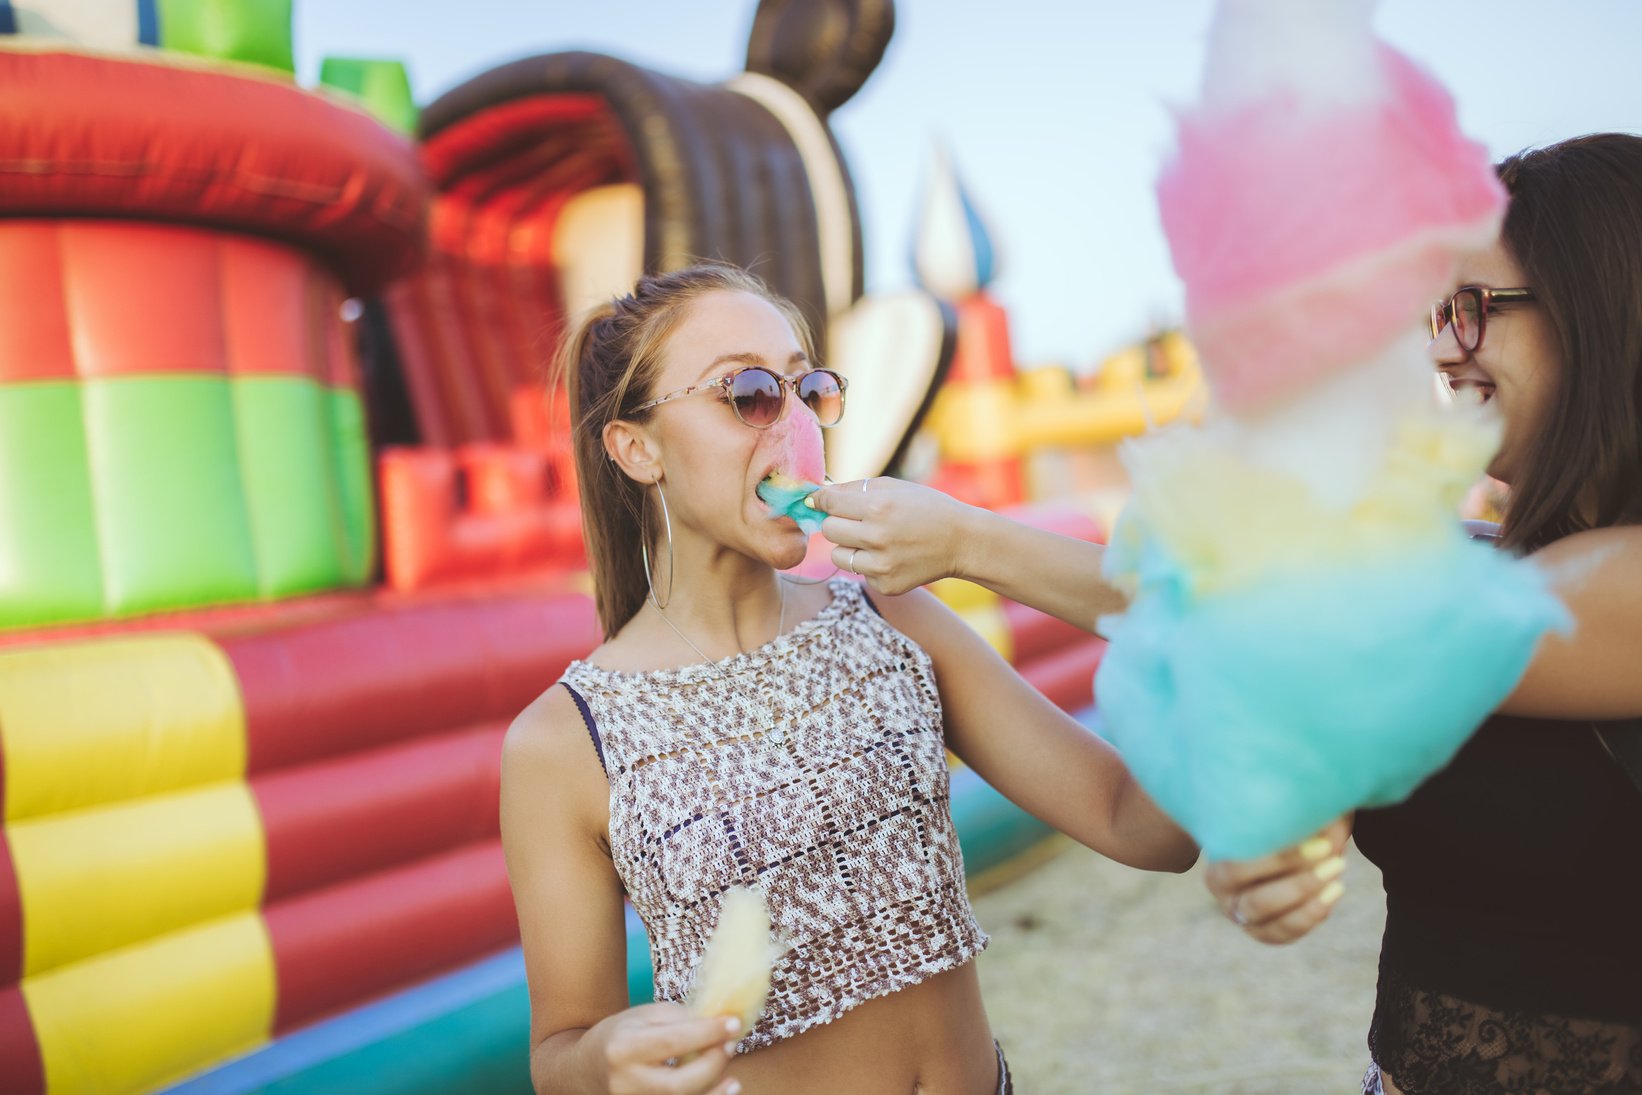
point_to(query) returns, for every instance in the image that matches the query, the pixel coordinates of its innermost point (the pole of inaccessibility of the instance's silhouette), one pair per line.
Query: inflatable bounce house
(288, 529)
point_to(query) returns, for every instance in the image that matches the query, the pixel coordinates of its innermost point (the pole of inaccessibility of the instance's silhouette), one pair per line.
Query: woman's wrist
(971, 548)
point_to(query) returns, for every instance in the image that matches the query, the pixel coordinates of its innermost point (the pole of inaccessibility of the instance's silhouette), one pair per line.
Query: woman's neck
(721, 602)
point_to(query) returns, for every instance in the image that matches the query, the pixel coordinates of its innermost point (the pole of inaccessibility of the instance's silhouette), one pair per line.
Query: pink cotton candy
(798, 450)
(1309, 239)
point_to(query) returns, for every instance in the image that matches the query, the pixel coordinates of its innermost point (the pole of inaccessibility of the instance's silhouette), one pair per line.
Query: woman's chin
(786, 548)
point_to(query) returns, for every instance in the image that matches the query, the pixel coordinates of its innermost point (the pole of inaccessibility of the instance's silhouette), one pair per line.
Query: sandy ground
(1102, 980)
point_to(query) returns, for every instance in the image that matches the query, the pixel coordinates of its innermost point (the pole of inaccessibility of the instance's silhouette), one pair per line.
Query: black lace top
(1512, 959)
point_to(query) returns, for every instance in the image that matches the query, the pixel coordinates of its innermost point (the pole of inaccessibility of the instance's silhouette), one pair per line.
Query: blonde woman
(740, 728)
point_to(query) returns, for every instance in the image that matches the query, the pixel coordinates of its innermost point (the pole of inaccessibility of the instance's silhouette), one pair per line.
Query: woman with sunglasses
(742, 728)
(1512, 957)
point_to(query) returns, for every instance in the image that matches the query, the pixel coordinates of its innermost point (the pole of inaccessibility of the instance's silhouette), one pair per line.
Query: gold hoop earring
(644, 549)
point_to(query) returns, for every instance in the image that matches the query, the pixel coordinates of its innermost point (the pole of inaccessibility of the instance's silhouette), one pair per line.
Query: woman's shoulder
(917, 614)
(907, 612)
(1589, 671)
(1597, 569)
(549, 736)
(1618, 544)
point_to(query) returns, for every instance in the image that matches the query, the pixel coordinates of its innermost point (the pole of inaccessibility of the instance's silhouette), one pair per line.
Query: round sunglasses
(759, 395)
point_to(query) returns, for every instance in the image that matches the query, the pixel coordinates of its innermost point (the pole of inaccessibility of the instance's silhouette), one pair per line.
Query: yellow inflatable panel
(99, 721)
(146, 1016)
(980, 608)
(960, 595)
(96, 880)
(976, 421)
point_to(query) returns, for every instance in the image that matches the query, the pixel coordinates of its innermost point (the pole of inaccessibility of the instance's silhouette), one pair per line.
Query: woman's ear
(631, 448)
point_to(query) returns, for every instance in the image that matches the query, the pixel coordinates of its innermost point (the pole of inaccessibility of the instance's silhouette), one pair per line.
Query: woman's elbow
(1178, 860)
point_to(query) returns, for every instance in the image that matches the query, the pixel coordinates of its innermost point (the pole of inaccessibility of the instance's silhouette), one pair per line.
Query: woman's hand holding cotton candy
(895, 534)
(634, 1049)
(901, 535)
(1281, 897)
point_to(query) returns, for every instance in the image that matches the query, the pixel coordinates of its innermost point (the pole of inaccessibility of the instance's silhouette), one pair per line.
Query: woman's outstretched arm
(901, 535)
(1035, 754)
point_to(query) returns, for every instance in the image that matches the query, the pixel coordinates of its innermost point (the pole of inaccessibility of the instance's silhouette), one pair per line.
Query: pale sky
(1056, 112)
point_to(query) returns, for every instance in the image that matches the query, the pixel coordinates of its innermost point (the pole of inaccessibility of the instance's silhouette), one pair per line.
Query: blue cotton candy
(788, 501)
(1254, 717)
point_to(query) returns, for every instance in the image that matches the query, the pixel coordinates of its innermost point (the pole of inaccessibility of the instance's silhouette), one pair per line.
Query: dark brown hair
(1574, 226)
(609, 362)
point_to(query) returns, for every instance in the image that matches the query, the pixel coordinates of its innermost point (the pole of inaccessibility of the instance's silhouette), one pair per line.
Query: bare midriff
(931, 1038)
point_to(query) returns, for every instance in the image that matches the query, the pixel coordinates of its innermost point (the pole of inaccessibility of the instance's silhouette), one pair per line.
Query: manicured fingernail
(1331, 893)
(1315, 848)
(1330, 868)
(732, 1026)
(734, 1088)
(809, 501)
(729, 1049)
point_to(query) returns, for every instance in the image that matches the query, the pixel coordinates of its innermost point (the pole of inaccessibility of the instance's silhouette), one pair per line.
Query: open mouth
(1469, 390)
(784, 496)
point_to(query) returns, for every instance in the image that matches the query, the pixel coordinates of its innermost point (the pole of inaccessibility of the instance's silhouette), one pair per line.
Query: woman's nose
(1445, 348)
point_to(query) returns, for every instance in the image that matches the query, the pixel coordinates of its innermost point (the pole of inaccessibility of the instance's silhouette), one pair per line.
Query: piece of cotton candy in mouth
(785, 497)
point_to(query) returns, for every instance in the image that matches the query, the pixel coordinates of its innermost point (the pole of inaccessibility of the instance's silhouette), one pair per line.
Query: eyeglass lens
(820, 392)
(757, 396)
(1464, 309)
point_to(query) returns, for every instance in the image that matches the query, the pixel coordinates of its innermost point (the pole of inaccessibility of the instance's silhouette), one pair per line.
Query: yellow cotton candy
(734, 975)
(1432, 463)
(783, 481)
(1227, 522)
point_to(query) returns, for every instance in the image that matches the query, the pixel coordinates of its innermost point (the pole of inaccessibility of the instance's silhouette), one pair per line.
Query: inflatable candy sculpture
(1310, 630)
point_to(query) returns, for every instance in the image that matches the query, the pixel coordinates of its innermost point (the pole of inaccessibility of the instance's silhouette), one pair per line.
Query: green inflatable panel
(351, 453)
(483, 1047)
(290, 474)
(129, 495)
(381, 86)
(49, 564)
(254, 31)
(167, 487)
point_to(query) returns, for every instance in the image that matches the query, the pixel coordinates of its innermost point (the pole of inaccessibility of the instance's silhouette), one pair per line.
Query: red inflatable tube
(489, 141)
(396, 805)
(85, 135)
(1067, 676)
(340, 946)
(354, 682)
(1035, 634)
(11, 917)
(20, 1063)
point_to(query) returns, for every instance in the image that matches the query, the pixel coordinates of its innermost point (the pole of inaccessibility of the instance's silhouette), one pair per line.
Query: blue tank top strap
(867, 597)
(587, 719)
